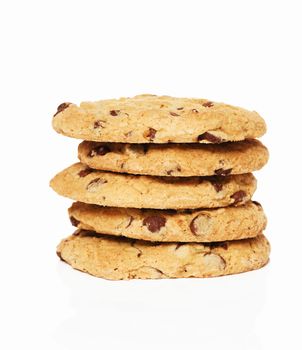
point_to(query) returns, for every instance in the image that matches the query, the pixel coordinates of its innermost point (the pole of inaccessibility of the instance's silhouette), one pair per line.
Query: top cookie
(157, 119)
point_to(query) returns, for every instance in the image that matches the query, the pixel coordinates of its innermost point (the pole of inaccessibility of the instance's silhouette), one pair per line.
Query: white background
(246, 53)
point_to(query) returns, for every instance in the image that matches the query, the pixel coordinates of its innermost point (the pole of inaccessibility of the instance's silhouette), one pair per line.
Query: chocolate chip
(95, 183)
(154, 223)
(238, 196)
(209, 137)
(223, 172)
(177, 169)
(217, 182)
(208, 104)
(85, 172)
(257, 203)
(174, 114)
(150, 134)
(195, 110)
(74, 221)
(115, 112)
(180, 108)
(100, 151)
(61, 107)
(218, 186)
(98, 124)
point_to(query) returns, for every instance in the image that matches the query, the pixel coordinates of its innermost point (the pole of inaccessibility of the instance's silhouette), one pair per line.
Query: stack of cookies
(163, 188)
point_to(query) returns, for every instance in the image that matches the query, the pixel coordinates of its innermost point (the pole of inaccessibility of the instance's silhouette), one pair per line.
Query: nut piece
(201, 225)
(98, 124)
(95, 184)
(238, 196)
(150, 134)
(215, 261)
(146, 271)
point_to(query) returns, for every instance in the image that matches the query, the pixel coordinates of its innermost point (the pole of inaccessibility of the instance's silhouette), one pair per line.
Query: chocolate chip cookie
(206, 225)
(138, 191)
(157, 119)
(118, 258)
(175, 159)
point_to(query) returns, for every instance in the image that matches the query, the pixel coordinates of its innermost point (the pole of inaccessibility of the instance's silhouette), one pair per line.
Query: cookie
(118, 258)
(157, 119)
(138, 191)
(207, 225)
(175, 159)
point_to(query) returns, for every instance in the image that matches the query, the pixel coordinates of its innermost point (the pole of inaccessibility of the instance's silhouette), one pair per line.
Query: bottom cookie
(118, 258)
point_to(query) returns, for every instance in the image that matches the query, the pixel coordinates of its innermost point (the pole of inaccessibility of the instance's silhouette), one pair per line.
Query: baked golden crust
(201, 225)
(175, 159)
(117, 258)
(157, 119)
(137, 191)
